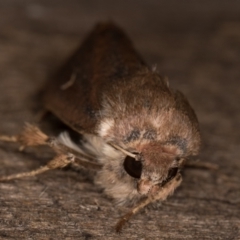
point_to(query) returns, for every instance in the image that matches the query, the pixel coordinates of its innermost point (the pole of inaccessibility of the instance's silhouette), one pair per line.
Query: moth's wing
(75, 93)
(182, 104)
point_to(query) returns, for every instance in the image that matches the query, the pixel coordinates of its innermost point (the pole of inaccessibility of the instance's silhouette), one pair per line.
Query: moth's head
(154, 165)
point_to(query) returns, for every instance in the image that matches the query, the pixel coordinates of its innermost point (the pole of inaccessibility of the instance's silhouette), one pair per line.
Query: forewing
(75, 93)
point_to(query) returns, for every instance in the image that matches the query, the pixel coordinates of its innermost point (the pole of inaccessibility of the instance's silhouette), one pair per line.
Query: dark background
(196, 44)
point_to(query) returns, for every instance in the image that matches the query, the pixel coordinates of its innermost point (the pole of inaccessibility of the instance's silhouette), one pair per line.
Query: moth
(137, 132)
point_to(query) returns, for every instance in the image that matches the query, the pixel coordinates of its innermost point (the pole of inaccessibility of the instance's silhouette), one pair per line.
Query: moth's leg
(30, 136)
(59, 161)
(203, 165)
(162, 194)
(33, 136)
(6, 138)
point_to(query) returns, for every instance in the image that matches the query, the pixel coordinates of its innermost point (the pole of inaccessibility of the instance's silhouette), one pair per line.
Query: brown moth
(138, 132)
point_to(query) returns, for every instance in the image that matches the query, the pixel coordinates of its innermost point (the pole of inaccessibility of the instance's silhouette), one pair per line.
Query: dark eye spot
(132, 167)
(172, 173)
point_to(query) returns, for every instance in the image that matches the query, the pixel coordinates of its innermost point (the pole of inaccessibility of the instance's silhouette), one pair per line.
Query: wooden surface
(196, 44)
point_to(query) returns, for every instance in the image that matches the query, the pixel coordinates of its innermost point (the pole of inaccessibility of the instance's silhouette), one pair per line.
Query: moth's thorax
(144, 109)
(151, 129)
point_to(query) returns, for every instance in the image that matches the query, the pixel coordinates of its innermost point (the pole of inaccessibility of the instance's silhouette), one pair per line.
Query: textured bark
(197, 45)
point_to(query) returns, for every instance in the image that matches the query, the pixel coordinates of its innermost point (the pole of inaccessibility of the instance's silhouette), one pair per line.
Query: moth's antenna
(124, 151)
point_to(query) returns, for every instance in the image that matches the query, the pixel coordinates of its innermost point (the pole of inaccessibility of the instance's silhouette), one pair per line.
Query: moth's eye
(172, 173)
(133, 167)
